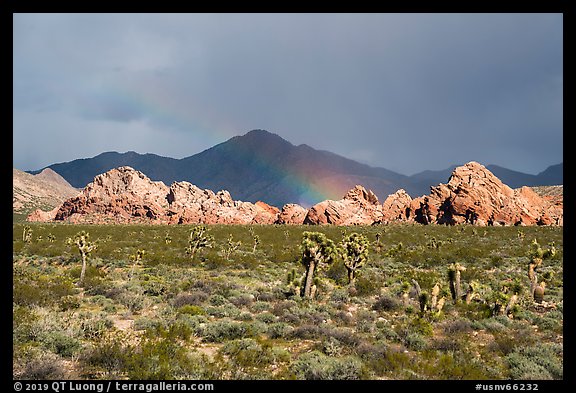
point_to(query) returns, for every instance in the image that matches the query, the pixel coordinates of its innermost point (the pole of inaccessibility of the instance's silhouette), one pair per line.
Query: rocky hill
(473, 195)
(45, 190)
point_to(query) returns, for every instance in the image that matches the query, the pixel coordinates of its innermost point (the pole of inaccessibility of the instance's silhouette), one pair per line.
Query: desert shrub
(69, 302)
(192, 310)
(266, 317)
(279, 330)
(457, 326)
(194, 298)
(223, 330)
(268, 296)
(31, 288)
(385, 332)
(260, 306)
(133, 301)
(248, 352)
(242, 300)
(446, 344)
(145, 323)
(226, 310)
(340, 295)
(387, 303)
(524, 368)
(365, 321)
(95, 327)
(415, 341)
(192, 321)
(367, 286)
(217, 300)
(46, 367)
(317, 366)
(541, 361)
(245, 316)
(61, 343)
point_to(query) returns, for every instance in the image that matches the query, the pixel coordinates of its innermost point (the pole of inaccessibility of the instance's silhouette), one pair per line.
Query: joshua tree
(256, 242)
(454, 277)
(85, 247)
(51, 238)
(354, 249)
(470, 293)
(435, 293)
(317, 250)
(199, 239)
(27, 234)
(136, 258)
(167, 238)
(232, 246)
(537, 255)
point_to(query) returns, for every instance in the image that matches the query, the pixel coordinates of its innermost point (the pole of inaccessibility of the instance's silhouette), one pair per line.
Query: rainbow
(152, 101)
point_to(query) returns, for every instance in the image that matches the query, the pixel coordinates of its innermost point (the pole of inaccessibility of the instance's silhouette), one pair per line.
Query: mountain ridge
(261, 165)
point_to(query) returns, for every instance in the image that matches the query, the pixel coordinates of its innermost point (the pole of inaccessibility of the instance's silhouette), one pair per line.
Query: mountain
(260, 165)
(45, 190)
(256, 166)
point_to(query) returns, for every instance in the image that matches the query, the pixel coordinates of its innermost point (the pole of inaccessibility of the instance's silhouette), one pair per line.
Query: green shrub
(279, 330)
(191, 310)
(61, 344)
(223, 330)
(415, 341)
(317, 366)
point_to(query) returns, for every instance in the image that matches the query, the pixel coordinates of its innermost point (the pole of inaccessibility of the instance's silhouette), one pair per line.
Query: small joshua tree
(51, 238)
(232, 246)
(317, 250)
(354, 250)
(136, 258)
(199, 239)
(27, 234)
(167, 238)
(85, 247)
(454, 277)
(256, 242)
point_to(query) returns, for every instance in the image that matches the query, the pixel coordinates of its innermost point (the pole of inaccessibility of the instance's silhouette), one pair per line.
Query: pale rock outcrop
(358, 207)
(292, 214)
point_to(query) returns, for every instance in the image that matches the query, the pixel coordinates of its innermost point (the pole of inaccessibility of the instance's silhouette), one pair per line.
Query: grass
(234, 316)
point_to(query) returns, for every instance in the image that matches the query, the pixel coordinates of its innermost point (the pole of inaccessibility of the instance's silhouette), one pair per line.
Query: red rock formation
(292, 214)
(359, 207)
(474, 195)
(126, 195)
(397, 207)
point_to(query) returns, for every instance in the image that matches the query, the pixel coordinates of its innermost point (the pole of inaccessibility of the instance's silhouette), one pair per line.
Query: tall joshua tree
(454, 277)
(199, 239)
(85, 247)
(354, 250)
(317, 250)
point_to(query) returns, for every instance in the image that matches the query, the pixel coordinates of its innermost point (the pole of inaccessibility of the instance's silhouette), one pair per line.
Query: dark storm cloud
(405, 92)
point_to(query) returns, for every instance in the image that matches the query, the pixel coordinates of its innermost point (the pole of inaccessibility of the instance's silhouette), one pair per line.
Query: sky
(406, 92)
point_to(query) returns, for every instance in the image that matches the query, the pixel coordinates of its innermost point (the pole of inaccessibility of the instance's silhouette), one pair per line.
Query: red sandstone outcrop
(397, 207)
(126, 195)
(474, 195)
(292, 214)
(359, 207)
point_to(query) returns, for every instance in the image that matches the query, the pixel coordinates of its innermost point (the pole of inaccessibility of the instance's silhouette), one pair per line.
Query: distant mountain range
(45, 190)
(263, 166)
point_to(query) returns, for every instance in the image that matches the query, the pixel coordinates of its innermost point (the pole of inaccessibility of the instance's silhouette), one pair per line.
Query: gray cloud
(405, 92)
